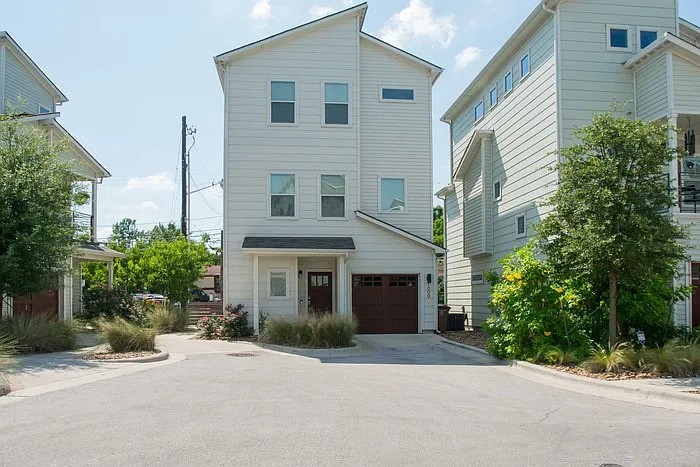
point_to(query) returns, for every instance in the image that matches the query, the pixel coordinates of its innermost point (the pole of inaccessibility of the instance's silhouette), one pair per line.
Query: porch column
(110, 274)
(256, 311)
(673, 170)
(93, 220)
(342, 292)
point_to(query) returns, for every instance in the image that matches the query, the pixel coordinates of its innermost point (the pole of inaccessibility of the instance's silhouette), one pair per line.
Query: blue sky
(131, 69)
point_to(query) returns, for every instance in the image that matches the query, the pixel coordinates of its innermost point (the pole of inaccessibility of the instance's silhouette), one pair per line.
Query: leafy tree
(167, 233)
(610, 219)
(37, 190)
(438, 225)
(125, 234)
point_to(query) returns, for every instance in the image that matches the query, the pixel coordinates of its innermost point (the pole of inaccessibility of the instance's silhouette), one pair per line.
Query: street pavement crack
(548, 414)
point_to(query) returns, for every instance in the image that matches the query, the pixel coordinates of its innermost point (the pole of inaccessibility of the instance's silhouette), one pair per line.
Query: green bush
(560, 356)
(165, 319)
(123, 336)
(669, 359)
(693, 356)
(40, 333)
(232, 324)
(325, 331)
(8, 348)
(100, 302)
(534, 309)
(602, 360)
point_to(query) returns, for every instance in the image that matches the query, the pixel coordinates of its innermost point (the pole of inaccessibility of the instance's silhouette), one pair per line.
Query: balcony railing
(83, 224)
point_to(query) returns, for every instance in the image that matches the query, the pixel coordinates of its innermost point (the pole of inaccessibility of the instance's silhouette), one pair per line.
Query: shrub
(99, 301)
(233, 323)
(8, 348)
(40, 333)
(123, 336)
(602, 360)
(669, 359)
(693, 356)
(561, 356)
(534, 309)
(165, 319)
(324, 331)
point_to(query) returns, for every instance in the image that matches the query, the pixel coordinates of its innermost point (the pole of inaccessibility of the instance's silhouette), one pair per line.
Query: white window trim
(483, 111)
(320, 195)
(286, 283)
(512, 85)
(630, 35)
(529, 65)
(403, 101)
(39, 107)
(500, 195)
(269, 102)
(323, 104)
(379, 193)
(296, 194)
(494, 88)
(659, 33)
(524, 233)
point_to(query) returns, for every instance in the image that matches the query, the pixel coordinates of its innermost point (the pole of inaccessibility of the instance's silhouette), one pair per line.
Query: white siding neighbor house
(567, 61)
(327, 177)
(32, 97)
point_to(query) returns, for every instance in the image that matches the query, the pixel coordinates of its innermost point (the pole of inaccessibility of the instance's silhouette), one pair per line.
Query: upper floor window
(646, 37)
(282, 102)
(479, 111)
(282, 195)
(618, 38)
(493, 96)
(520, 227)
(525, 65)
(397, 94)
(392, 195)
(44, 110)
(497, 190)
(332, 196)
(336, 104)
(508, 82)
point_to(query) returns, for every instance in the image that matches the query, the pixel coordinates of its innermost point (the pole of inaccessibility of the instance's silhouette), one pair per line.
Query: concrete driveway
(394, 400)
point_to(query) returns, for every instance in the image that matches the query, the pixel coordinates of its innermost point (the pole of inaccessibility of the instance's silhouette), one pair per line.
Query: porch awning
(97, 252)
(331, 245)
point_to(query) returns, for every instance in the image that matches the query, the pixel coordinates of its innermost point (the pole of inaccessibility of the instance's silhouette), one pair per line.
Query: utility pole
(185, 171)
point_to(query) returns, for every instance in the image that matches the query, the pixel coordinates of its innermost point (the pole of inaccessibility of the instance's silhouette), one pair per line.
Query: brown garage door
(385, 304)
(45, 302)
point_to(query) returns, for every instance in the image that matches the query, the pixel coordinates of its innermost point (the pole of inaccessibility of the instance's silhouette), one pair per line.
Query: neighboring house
(27, 91)
(327, 177)
(210, 282)
(567, 60)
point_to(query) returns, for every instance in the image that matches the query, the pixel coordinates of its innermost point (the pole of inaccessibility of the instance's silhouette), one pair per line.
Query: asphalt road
(403, 402)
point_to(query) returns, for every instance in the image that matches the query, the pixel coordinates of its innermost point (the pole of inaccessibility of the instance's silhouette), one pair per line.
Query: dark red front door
(695, 277)
(320, 292)
(44, 302)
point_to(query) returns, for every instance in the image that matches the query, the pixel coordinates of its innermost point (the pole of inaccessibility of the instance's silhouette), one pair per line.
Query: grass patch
(319, 332)
(602, 360)
(123, 336)
(669, 359)
(40, 333)
(165, 319)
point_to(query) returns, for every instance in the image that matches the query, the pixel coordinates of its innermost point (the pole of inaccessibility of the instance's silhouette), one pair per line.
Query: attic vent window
(646, 38)
(397, 94)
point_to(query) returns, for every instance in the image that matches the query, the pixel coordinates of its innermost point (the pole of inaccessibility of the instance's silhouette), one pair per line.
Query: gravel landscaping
(119, 356)
(475, 338)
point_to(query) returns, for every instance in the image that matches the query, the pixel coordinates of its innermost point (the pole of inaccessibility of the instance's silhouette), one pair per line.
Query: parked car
(149, 297)
(199, 295)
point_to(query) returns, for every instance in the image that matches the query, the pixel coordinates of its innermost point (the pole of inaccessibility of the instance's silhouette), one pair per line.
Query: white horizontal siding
(652, 89)
(22, 87)
(686, 86)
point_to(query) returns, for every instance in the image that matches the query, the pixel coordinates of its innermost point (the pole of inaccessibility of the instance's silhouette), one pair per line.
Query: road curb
(162, 355)
(466, 346)
(311, 353)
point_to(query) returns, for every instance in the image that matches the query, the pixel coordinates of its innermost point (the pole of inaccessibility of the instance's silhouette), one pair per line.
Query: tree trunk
(612, 324)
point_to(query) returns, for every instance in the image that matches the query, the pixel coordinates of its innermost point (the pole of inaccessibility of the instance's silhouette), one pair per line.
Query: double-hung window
(332, 196)
(508, 82)
(282, 195)
(336, 104)
(283, 102)
(524, 66)
(479, 111)
(392, 195)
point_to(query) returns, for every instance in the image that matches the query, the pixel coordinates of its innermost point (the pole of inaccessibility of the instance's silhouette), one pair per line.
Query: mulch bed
(475, 338)
(619, 376)
(119, 356)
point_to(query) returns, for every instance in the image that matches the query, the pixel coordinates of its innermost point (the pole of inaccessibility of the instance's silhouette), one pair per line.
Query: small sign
(641, 337)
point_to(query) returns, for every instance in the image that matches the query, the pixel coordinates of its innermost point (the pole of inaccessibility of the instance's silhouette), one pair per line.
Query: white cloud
(261, 11)
(317, 11)
(158, 183)
(417, 21)
(467, 56)
(147, 206)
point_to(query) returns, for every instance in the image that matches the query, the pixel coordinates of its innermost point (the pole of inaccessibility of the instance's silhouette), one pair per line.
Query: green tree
(37, 190)
(610, 219)
(167, 233)
(125, 234)
(438, 225)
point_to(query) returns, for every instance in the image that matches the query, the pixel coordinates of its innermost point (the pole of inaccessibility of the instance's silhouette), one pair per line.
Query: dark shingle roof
(299, 243)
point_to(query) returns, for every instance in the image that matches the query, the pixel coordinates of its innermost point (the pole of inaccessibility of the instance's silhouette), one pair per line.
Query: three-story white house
(567, 61)
(327, 177)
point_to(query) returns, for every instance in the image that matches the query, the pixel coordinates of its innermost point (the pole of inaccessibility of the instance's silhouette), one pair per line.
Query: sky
(132, 69)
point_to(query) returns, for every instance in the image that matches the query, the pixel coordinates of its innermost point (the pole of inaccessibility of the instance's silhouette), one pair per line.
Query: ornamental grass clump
(40, 333)
(669, 359)
(165, 319)
(601, 360)
(693, 355)
(321, 332)
(123, 336)
(8, 348)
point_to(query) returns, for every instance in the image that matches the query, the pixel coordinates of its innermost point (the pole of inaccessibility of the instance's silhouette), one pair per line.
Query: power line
(171, 221)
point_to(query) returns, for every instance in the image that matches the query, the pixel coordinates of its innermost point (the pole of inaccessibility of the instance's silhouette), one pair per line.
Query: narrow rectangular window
(282, 102)
(618, 38)
(497, 190)
(520, 226)
(493, 96)
(278, 283)
(646, 38)
(392, 195)
(508, 82)
(524, 66)
(336, 107)
(397, 94)
(479, 111)
(333, 196)
(282, 195)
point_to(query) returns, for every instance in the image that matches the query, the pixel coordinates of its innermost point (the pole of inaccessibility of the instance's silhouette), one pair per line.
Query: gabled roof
(100, 171)
(400, 231)
(435, 70)
(667, 41)
(474, 143)
(691, 29)
(26, 60)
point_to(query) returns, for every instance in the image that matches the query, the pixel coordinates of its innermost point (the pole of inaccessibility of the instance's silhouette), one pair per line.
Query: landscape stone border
(158, 357)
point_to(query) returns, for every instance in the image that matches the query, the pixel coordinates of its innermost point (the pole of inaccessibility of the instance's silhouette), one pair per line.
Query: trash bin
(443, 312)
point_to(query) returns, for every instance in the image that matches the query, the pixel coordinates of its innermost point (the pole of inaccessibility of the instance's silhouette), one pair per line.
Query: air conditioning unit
(691, 164)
